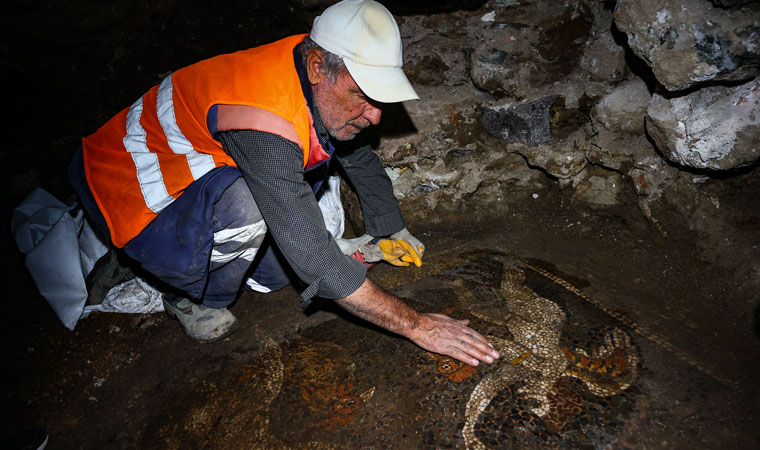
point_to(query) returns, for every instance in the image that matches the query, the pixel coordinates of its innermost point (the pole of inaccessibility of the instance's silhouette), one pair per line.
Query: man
(163, 179)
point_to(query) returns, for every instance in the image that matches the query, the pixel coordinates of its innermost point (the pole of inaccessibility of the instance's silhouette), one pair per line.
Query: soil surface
(686, 371)
(660, 348)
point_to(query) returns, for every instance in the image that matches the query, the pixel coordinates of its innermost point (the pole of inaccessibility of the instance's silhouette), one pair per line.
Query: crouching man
(209, 180)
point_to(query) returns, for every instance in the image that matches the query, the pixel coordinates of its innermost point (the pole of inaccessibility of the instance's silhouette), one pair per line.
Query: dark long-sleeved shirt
(272, 168)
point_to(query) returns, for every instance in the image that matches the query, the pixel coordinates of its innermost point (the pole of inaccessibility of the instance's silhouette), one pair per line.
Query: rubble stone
(619, 151)
(598, 188)
(527, 123)
(714, 128)
(624, 108)
(494, 71)
(604, 59)
(687, 42)
(560, 160)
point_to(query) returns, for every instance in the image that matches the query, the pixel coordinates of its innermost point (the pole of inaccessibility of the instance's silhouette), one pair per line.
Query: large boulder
(624, 108)
(714, 128)
(687, 42)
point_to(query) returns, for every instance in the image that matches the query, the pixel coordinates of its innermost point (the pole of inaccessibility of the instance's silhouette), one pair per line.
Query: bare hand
(433, 332)
(442, 334)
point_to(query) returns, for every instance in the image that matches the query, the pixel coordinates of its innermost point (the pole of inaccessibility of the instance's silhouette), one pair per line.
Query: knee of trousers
(239, 228)
(238, 243)
(236, 207)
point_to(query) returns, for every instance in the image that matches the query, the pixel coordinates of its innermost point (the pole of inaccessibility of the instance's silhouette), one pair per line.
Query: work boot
(200, 322)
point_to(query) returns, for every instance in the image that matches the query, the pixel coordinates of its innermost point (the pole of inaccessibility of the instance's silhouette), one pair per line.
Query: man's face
(344, 108)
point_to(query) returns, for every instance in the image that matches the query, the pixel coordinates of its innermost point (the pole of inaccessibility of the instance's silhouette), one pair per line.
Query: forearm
(433, 332)
(373, 304)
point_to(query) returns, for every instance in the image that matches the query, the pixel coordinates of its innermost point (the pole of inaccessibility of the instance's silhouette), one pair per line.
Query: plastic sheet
(61, 249)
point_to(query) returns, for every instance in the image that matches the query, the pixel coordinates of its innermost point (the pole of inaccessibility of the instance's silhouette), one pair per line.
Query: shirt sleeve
(382, 215)
(272, 168)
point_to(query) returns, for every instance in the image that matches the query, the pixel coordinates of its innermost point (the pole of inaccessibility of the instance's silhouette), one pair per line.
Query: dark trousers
(208, 243)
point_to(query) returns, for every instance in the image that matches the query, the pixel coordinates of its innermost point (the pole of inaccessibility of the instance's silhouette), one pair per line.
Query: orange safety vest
(142, 159)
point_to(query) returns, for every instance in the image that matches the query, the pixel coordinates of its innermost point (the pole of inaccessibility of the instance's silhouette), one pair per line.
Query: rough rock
(619, 151)
(604, 59)
(527, 123)
(654, 183)
(652, 177)
(444, 67)
(503, 58)
(528, 44)
(570, 113)
(496, 71)
(687, 42)
(624, 108)
(598, 188)
(471, 179)
(451, 162)
(567, 110)
(562, 160)
(506, 177)
(562, 27)
(401, 6)
(714, 128)
(433, 51)
(731, 3)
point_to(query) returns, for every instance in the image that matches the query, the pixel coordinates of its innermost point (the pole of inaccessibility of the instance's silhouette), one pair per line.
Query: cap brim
(381, 83)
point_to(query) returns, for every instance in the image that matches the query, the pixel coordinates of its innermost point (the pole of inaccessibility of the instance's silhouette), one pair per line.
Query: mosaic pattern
(229, 409)
(567, 377)
(535, 358)
(205, 414)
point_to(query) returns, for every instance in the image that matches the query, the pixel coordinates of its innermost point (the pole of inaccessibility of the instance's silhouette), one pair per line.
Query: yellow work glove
(399, 253)
(417, 247)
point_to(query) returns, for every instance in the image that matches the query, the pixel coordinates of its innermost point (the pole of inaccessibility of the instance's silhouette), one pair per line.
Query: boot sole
(229, 331)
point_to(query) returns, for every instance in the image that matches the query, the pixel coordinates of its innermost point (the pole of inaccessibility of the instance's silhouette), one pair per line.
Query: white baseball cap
(366, 36)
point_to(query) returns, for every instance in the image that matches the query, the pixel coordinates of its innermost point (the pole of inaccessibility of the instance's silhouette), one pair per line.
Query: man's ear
(314, 67)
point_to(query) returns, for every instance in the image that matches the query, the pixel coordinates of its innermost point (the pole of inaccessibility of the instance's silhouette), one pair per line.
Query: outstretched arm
(434, 332)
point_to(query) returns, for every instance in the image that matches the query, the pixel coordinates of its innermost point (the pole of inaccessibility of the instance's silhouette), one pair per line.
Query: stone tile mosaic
(569, 377)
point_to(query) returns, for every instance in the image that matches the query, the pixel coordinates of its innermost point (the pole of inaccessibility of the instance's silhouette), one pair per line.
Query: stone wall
(656, 101)
(634, 102)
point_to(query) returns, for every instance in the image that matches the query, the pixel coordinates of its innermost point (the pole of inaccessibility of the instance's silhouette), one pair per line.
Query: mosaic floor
(569, 376)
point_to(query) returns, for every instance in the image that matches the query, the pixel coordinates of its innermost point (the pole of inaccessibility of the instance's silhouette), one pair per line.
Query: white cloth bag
(331, 206)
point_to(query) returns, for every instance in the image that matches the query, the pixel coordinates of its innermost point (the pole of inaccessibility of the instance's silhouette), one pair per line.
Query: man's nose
(373, 113)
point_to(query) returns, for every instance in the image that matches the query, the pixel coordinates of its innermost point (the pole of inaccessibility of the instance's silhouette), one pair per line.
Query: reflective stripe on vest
(199, 163)
(147, 155)
(146, 162)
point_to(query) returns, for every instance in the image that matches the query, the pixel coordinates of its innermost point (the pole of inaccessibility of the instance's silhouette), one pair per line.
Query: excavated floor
(611, 338)
(613, 335)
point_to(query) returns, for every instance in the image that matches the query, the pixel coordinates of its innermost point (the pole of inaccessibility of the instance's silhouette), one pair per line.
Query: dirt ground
(320, 379)
(131, 381)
